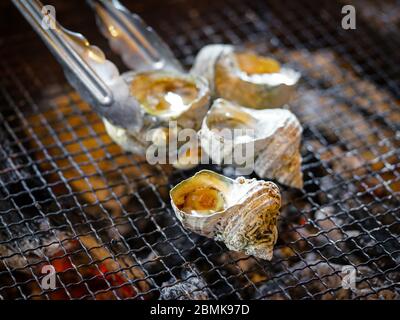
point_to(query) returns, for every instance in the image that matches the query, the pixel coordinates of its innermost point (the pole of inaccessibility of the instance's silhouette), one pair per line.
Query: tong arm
(138, 44)
(72, 50)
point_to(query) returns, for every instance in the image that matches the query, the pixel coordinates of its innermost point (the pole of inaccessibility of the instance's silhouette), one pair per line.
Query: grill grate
(102, 218)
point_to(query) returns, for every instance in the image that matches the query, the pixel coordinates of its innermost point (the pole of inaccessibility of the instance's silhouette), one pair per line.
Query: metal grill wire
(98, 192)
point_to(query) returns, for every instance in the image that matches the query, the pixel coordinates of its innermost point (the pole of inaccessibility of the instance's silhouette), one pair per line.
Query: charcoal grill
(113, 209)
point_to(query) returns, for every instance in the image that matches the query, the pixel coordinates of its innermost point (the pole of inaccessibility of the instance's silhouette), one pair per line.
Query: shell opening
(251, 63)
(229, 119)
(203, 194)
(203, 201)
(164, 95)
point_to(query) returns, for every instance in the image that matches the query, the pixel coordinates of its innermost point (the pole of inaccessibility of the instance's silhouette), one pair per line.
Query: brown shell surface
(250, 227)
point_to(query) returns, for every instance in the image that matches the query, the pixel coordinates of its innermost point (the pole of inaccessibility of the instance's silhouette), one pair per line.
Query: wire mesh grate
(71, 198)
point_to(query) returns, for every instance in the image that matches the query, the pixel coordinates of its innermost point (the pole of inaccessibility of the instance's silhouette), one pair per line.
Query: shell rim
(230, 180)
(232, 68)
(241, 109)
(201, 83)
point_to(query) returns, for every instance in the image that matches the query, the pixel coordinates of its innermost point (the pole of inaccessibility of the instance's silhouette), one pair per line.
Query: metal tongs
(95, 78)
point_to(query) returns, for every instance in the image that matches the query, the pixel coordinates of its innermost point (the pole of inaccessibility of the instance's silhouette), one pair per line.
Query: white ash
(190, 287)
(323, 280)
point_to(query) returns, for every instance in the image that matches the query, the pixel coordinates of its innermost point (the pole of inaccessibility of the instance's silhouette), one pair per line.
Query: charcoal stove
(71, 198)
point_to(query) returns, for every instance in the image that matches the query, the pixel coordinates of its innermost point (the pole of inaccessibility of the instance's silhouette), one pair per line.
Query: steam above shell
(270, 140)
(242, 213)
(241, 76)
(161, 96)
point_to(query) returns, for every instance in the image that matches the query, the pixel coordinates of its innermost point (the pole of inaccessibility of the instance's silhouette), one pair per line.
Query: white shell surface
(248, 221)
(206, 59)
(274, 133)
